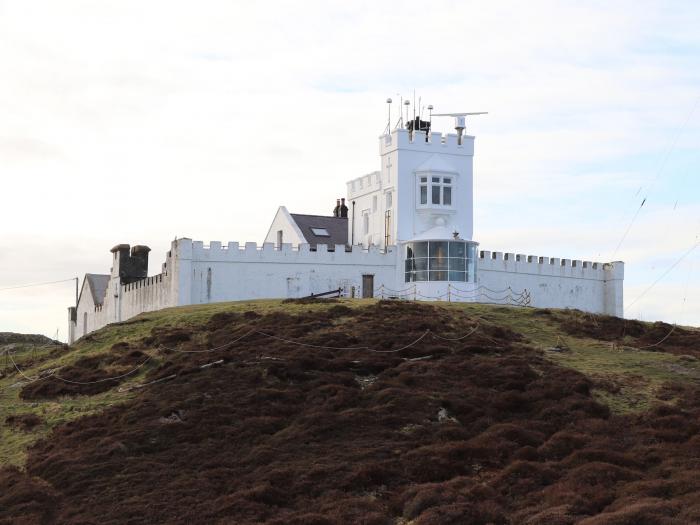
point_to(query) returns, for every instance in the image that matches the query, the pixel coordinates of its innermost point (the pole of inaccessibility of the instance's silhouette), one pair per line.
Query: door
(367, 286)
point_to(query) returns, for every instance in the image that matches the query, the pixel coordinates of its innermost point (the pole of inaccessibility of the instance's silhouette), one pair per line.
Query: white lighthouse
(422, 201)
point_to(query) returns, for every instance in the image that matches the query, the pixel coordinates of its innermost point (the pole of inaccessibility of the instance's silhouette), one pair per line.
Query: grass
(631, 379)
(636, 376)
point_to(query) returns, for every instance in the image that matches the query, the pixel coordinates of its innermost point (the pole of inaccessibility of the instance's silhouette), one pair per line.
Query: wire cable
(668, 270)
(104, 379)
(456, 338)
(35, 284)
(290, 341)
(207, 350)
(403, 347)
(679, 132)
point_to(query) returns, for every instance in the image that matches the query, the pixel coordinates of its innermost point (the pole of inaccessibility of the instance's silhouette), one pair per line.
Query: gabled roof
(98, 286)
(337, 228)
(436, 163)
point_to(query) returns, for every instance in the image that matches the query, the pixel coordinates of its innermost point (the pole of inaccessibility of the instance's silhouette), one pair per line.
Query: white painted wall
(283, 221)
(232, 272)
(555, 283)
(195, 274)
(369, 195)
(90, 317)
(146, 295)
(403, 161)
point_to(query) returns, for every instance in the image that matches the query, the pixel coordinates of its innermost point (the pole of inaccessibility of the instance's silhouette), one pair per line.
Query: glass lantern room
(441, 261)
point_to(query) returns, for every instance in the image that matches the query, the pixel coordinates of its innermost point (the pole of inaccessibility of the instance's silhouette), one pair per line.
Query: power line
(668, 270)
(36, 284)
(679, 132)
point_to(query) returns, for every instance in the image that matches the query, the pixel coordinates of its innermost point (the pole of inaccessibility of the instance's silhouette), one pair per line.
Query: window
(440, 191)
(374, 203)
(280, 235)
(365, 223)
(436, 194)
(320, 232)
(440, 261)
(388, 200)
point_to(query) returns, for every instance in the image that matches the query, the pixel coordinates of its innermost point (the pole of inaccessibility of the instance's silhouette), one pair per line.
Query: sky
(138, 122)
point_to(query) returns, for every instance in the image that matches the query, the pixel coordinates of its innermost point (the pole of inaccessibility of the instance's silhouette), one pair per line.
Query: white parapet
(555, 282)
(229, 273)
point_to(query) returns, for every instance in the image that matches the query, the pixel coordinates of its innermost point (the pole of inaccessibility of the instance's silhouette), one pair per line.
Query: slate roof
(337, 228)
(98, 286)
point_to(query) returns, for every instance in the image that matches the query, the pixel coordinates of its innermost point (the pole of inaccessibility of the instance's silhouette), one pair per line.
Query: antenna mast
(388, 124)
(460, 121)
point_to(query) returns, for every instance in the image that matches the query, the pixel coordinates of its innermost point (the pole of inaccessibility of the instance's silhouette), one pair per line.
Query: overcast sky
(135, 122)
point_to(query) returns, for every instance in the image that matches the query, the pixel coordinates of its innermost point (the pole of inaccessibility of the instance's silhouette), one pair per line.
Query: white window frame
(429, 184)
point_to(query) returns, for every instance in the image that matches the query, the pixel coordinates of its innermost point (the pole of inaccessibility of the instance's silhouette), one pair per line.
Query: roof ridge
(313, 215)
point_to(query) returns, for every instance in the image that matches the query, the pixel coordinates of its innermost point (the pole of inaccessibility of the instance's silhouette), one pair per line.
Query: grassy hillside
(355, 412)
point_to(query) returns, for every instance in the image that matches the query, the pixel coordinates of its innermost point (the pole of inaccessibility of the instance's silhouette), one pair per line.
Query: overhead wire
(683, 304)
(647, 193)
(30, 285)
(664, 274)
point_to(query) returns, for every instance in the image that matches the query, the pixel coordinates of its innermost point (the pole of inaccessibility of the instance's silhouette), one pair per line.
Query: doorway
(367, 286)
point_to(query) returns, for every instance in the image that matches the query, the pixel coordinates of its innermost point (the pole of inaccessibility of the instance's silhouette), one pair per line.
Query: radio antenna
(388, 124)
(414, 103)
(460, 121)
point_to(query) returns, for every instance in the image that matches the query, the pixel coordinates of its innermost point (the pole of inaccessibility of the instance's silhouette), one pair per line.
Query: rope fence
(227, 346)
(481, 294)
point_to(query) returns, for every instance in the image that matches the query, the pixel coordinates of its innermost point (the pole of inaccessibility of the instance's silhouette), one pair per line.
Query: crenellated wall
(554, 282)
(146, 295)
(234, 272)
(195, 273)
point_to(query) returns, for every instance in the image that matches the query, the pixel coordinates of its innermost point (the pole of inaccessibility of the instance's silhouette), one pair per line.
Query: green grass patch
(631, 378)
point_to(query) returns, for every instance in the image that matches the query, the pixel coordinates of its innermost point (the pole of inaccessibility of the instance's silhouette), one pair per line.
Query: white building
(404, 231)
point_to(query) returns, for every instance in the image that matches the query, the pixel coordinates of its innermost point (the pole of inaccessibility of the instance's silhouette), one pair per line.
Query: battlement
(142, 283)
(555, 266)
(436, 142)
(215, 251)
(365, 184)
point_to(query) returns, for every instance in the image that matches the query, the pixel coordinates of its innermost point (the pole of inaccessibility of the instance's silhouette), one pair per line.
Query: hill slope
(357, 412)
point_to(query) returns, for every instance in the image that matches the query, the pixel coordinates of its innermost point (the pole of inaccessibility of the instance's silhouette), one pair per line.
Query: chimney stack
(336, 210)
(343, 209)
(130, 267)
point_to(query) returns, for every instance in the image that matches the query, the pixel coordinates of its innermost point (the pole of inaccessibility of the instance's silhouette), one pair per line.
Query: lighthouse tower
(422, 202)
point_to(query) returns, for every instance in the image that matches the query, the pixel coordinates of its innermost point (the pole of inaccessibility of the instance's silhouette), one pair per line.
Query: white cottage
(404, 231)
